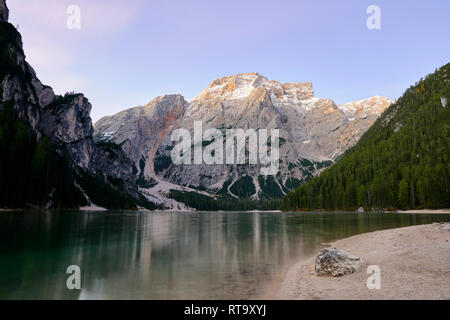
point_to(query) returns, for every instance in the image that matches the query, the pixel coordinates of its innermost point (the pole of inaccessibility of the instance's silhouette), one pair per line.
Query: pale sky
(127, 52)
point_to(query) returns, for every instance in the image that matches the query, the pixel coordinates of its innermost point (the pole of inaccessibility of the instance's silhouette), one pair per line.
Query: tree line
(401, 162)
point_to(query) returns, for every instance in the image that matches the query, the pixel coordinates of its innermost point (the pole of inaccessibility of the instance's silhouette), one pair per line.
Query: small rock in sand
(336, 262)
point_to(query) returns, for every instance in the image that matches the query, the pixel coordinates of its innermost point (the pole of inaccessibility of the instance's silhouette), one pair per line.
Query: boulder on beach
(336, 262)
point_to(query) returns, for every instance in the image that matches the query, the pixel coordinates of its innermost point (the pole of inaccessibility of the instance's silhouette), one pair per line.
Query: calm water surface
(168, 255)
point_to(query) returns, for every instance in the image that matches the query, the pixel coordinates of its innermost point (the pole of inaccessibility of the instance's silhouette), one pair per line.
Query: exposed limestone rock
(67, 121)
(335, 262)
(44, 93)
(113, 164)
(313, 131)
(372, 107)
(141, 130)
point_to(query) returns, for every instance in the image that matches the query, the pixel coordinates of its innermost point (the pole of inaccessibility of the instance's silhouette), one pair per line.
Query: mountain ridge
(245, 100)
(401, 162)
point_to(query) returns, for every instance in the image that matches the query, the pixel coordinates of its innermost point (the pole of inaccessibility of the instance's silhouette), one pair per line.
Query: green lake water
(168, 255)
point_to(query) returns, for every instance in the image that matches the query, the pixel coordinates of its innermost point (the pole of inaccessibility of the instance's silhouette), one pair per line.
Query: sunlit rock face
(313, 133)
(141, 130)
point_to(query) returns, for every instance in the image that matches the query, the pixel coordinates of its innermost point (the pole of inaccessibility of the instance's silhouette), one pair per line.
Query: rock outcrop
(141, 130)
(4, 12)
(313, 132)
(65, 120)
(335, 262)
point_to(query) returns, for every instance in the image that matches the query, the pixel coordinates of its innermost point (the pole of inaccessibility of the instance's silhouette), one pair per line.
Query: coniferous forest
(31, 170)
(401, 162)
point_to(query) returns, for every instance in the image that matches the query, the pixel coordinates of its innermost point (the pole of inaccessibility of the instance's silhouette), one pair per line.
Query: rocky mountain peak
(167, 102)
(167, 108)
(362, 108)
(313, 133)
(4, 12)
(233, 87)
(241, 86)
(302, 90)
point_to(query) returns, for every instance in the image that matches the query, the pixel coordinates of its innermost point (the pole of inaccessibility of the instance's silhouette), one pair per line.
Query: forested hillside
(401, 162)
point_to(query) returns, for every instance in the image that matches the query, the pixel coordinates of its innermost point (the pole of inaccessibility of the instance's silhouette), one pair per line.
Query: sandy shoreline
(433, 211)
(414, 263)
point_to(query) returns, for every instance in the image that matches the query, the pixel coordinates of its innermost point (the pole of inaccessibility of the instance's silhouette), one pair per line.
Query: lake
(168, 255)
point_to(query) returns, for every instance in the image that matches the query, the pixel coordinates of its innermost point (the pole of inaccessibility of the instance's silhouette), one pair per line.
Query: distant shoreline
(414, 263)
(9, 210)
(447, 211)
(96, 208)
(430, 211)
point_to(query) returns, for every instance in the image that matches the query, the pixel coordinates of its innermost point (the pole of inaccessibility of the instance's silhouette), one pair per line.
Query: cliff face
(313, 132)
(141, 130)
(4, 12)
(65, 120)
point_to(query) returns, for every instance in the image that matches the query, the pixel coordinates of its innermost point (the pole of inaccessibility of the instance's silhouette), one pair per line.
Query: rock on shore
(335, 262)
(414, 263)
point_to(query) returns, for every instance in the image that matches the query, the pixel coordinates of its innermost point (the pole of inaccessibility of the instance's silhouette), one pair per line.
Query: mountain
(51, 155)
(48, 156)
(4, 12)
(314, 132)
(402, 161)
